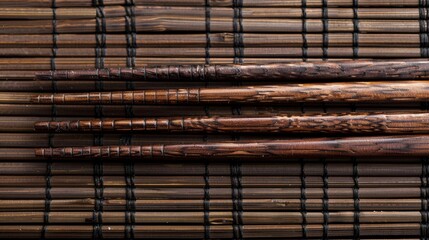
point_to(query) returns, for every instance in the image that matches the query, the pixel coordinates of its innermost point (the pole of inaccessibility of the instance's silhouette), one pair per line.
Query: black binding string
(98, 171)
(424, 202)
(98, 139)
(48, 175)
(206, 200)
(325, 200)
(208, 40)
(48, 186)
(424, 28)
(236, 110)
(325, 20)
(303, 200)
(131, 31)
(129, 111)
(238, 31)
(237, 202)
(98, 111)
(207, 111)
(427, 198)
(53, 117)
(356, 200)
(100, 37)
(424, 105)
(54, 44)
(126, 139)
(355, 29)
(130, 218)
(99, 200)
(48, 198)
(304, 31)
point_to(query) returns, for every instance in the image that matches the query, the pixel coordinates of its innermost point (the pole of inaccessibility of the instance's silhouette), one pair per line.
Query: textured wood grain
(202, 3)
(407, 167)
(215, 218)
(165, 23)
(382, 51)
(318, 147)
(299, 71)
(112, 193)
(407, 91)
(77, 63)
(328, 123)
(217, 40)
(214, 181)
(218, 232)
(277, 204)
(31, 113)
(197, 11)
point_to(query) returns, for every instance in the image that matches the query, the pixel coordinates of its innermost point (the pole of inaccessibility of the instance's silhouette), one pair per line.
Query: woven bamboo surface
(208, 119)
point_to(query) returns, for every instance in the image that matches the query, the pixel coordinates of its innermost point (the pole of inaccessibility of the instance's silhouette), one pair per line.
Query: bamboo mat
(45, 35)
(207, 119)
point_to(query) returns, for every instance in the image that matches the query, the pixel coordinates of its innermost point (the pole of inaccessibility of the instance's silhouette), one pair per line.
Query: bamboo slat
(367, 167)
(219, 232)
(215, 204)
(215, 218)
(202, 3)
(17, 111)
(144, 24)
(217, 40)
(248, 52)
(216, 12)
(215, 193)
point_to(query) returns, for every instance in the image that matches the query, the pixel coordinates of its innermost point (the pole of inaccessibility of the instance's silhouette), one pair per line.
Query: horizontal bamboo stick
(88, 204)
(214, 3)
(316, 147)
(10, 193)
(406, 91)
(248, 52)
(215, 218)
(215, 12)
(276, 12)
(325, 123)
(22, 88)
(41, 64)
(17, 112)
(224, 39)
(27, 154)
(278, 3)
(411, 69)
(62, 3)
(212, 181)
(31, 140)
(218, 232)
(408, 167)
(169, 23)
(94, 85)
